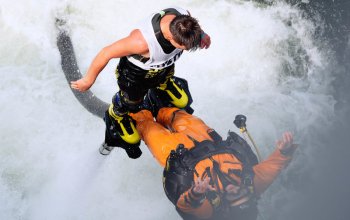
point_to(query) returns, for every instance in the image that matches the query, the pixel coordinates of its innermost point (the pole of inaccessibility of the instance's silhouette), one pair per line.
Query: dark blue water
(324, 187)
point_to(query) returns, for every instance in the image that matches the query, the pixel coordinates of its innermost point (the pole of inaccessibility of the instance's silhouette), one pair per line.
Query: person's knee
(143, 115)
(166, 114)
(123, 104)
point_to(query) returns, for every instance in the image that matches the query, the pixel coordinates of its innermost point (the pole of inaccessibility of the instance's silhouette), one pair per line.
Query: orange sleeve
(204, 210)
(267, 171)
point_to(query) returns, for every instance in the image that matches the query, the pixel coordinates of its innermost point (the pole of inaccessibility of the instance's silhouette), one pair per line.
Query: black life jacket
(164, 43)
(133, 75)
(180, 169)
(130, 75)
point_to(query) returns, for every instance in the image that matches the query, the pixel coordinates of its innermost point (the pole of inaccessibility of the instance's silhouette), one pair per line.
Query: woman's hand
(202, 186)
(285, 144)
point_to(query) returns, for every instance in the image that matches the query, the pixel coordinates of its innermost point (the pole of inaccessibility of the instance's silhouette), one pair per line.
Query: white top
(158, 59)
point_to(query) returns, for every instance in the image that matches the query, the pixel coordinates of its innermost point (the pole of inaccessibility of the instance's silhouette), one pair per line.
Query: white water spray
(263, 62)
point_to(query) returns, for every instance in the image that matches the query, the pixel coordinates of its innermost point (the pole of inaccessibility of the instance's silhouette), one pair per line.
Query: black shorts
(134, 82)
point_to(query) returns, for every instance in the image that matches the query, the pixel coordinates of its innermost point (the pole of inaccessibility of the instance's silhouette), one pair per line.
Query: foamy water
(264, 62)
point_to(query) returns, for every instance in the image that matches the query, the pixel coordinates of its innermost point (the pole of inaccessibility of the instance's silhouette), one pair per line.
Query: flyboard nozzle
(105, 149)
(240, 122)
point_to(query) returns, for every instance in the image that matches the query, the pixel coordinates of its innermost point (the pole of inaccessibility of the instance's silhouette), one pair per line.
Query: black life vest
(164, 43)
(180, 169)
(132, 75)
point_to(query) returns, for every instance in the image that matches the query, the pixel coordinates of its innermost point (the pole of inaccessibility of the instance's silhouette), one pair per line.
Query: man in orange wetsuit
(204, 176)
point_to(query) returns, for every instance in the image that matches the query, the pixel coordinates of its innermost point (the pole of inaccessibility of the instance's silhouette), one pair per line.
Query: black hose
(71, 70)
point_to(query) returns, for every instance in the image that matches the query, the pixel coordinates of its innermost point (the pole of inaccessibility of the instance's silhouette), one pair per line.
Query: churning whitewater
(264, 62)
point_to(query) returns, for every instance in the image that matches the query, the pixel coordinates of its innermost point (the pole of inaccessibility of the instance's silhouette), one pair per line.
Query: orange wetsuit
(175, 127)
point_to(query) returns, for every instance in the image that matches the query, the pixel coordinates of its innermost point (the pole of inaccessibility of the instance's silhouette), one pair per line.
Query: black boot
(173, 93)
(113, 138)
(121, 121)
